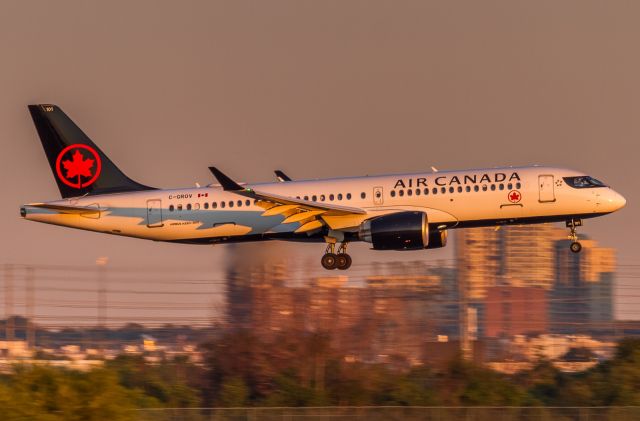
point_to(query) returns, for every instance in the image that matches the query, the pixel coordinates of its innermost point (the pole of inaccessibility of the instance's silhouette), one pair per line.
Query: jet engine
(437, 238)
(396, 231)
(402, 231)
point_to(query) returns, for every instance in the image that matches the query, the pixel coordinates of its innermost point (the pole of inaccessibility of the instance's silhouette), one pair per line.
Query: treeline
(239, 370)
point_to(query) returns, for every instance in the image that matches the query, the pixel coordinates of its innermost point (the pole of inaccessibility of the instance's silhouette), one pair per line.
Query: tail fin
(79, 166)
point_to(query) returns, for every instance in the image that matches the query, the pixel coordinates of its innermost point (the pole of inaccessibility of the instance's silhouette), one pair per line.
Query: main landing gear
(332, 260)
(572, 224)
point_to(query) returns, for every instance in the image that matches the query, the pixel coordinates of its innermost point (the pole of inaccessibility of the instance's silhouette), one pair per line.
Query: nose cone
(615, 201)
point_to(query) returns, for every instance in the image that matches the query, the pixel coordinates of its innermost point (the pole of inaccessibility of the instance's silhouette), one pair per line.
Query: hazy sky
(318, 89)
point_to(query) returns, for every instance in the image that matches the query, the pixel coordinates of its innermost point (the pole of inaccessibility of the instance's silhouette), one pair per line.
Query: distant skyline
(318, 89)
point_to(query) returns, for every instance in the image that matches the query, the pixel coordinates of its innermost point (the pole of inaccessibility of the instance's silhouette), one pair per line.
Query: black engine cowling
(397, 231)
(437, 239)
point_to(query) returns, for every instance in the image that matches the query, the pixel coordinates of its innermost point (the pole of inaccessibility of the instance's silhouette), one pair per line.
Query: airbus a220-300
(392, 212)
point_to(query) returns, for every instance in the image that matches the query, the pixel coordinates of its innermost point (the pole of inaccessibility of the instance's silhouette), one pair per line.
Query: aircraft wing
(281, 176)
(311, 215)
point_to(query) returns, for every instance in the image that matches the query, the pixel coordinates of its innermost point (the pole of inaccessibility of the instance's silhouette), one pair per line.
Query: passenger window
(188, 206)
(322, 197)
(214, 205)
(417, 192)
(401, 193)
(363, 195)
(510, 186)
(314, 198)
(467, 189)
(493, 187)
(196, 206)
(501, 186)
(443, 190)
(518, 185)
(484, 187)
(459, 189)
(434, 190)
(230, 203)
(330, 197)
(476, 188)
(222, 204)
(306, 198)
(348, 196)
(393, 193)
(239, 203)
(247, 202)
(409, 192)
(339, 196)
(171, 208)
(179, 207)
(206, 205)
(426, 191)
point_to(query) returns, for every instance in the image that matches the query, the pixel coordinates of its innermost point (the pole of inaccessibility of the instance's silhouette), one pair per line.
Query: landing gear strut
(332, 260)
(572, 224)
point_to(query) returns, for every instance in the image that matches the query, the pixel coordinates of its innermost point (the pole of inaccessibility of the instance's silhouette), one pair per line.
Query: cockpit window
(583, 182)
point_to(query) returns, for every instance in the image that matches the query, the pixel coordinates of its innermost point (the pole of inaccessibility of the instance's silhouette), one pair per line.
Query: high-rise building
(511, 311)
(579, 286)
(582, 297)
(519, 256)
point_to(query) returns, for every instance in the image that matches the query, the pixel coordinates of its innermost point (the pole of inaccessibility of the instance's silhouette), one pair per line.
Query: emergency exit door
(154, 213)
(546, 186)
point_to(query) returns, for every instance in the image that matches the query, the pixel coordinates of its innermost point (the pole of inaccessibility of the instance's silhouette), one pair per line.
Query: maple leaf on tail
(78, 166)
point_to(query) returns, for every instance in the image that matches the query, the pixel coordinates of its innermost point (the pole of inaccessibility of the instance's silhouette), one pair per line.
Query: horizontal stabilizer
(84, 210)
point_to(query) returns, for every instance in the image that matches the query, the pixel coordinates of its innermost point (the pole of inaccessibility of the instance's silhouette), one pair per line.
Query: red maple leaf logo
(80, 170)
(78, 166)
(514, 196)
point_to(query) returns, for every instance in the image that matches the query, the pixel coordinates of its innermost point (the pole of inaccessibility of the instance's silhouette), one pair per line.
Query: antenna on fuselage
(434, 169)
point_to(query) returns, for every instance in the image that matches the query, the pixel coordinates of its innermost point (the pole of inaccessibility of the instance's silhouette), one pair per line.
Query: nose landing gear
(572, 224)
(332, 260)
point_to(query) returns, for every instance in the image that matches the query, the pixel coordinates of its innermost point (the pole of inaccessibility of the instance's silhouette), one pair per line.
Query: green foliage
(44, 393)
(233, 393)
(301, 371)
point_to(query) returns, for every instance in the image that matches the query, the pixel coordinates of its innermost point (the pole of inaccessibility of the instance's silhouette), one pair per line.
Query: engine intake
(397, 231)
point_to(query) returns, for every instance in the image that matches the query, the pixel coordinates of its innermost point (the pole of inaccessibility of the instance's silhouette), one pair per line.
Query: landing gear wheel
(343, 261)
(572, 224)
(329, 261)
(575, 247)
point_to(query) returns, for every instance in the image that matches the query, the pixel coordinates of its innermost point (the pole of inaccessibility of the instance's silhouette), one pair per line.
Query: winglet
(282, 177)
(225, 182)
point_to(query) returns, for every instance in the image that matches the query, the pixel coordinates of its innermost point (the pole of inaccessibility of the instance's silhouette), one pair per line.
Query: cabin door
(546, 185)
(154, 213)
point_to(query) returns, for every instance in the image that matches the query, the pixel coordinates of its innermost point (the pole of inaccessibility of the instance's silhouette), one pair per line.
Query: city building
(582, 297)
(519, 256)
(511, 311)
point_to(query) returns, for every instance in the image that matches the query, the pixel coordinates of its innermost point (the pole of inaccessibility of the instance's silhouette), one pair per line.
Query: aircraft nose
(616, 200)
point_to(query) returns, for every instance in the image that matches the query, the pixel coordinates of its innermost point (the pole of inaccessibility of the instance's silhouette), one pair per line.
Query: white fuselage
(454, 199)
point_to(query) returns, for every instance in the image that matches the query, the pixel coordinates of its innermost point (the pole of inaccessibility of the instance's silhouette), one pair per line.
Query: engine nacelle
(437, 239)
(397, 231)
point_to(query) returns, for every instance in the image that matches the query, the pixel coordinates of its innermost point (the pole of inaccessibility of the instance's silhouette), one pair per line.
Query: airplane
(391, 212)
